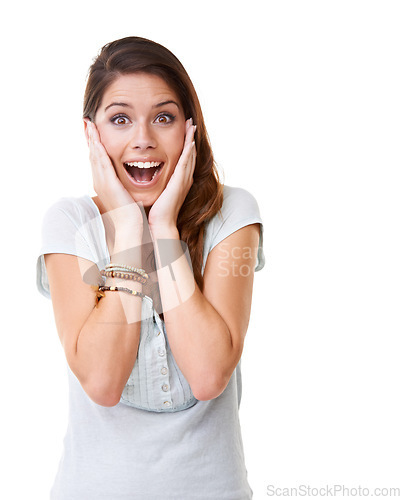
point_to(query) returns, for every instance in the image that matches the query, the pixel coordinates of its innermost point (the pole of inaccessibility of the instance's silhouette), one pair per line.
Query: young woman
(151, 283)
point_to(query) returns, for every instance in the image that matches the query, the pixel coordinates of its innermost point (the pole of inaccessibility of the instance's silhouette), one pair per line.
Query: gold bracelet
(121, 289)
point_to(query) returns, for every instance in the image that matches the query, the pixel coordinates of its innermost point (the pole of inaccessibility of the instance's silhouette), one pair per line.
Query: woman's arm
(206, 330)
(100, 343)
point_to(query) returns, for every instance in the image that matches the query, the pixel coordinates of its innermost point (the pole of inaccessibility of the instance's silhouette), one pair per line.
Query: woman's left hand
(164, 211)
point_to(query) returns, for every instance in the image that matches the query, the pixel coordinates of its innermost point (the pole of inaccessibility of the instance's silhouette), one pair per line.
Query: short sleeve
(239, 209)
(63, 231)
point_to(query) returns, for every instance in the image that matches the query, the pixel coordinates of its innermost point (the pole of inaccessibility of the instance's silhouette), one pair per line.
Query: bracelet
(123, 275)
(121, 289)
(99, 294)
(123, 267)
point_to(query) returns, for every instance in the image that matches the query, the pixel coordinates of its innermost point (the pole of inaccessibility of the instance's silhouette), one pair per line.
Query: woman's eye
(120, 120)
(165, 118)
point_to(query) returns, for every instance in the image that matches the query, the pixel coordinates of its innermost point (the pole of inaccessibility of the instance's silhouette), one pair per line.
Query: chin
(145, 200)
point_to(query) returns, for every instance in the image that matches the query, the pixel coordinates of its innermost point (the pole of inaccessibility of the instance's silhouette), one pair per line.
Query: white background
(302, 104)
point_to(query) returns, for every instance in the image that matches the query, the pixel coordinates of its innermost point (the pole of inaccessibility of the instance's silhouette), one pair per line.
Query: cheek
(176, 144)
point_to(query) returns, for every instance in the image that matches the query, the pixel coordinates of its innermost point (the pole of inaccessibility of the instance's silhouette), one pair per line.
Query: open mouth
(143, 172)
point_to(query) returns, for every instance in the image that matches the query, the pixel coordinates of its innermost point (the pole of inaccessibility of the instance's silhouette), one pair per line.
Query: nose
(142, 137)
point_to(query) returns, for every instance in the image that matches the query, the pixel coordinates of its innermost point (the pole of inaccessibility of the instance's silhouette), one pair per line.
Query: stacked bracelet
(123, 272)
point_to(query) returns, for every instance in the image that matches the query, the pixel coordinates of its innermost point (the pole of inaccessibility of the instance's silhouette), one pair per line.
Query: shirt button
(165, 387)
(164, 370)
(167, 403)
(162, 352)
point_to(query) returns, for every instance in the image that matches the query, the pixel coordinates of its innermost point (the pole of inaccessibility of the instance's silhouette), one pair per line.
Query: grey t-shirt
(122, 452)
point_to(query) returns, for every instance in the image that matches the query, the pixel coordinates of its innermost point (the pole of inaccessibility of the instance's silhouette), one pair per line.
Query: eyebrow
(125, 105)
(122, 104)
(164, 104)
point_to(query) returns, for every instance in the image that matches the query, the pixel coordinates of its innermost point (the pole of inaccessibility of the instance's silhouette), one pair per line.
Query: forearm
(199, 338)
(106, 347)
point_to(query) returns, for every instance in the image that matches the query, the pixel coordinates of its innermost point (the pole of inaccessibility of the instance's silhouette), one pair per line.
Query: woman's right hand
(117, 202)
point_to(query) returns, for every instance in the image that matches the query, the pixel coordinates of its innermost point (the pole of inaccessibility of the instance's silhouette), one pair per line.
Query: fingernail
(190, 121)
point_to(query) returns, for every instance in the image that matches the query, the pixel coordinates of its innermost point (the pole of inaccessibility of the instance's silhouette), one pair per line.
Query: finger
(189, 132)
(192, 161)
(186, 156)
(188, 124)
(94, 135)
(97, 150)
(192, 158)
(91, 143)
(93, 132)
(194, 155)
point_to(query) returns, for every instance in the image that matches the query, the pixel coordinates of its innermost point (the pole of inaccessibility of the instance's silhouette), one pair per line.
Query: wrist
(164, 232)
(128, 253)
(127, 237)
(132, 285)
(128, 231)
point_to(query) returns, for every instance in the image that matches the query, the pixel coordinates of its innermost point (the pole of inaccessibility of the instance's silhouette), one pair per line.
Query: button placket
(154, 356)
(162, 361)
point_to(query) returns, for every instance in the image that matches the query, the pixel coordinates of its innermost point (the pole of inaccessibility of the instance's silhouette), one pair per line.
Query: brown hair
(205, 198)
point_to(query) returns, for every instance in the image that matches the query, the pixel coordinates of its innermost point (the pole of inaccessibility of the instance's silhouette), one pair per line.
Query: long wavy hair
(139, 55)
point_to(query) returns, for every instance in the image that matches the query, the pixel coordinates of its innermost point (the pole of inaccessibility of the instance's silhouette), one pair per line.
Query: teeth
(141, 164)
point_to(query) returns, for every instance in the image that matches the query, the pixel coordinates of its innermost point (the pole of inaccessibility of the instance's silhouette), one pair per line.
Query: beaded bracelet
(123, 275)
(121, 289)
(123, 267)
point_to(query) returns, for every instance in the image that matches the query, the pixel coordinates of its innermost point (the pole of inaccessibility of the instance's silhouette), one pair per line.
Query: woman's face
(142, 126)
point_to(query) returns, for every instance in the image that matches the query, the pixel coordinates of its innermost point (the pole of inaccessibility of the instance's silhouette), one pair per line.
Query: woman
(151, 283)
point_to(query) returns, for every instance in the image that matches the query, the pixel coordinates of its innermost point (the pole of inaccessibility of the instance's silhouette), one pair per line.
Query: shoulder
(238, 210)
(238, 203)
(72, 225)
(238, 194)
(77, 210)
